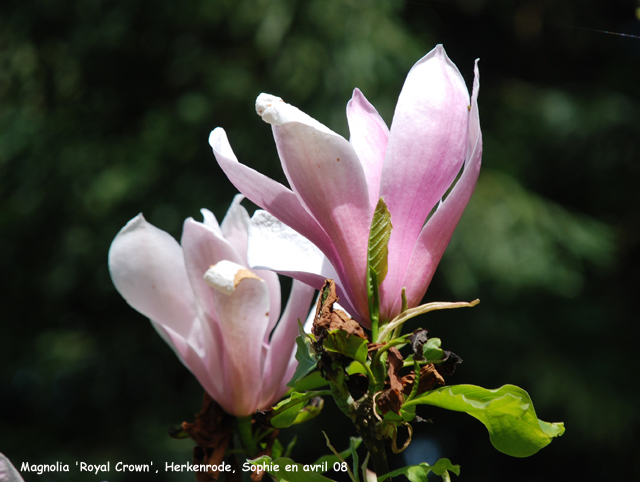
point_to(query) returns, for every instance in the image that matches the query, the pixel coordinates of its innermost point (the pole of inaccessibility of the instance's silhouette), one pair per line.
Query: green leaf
(277, 449)
(286, 470)
(507, 412)
(342, 342)
(377, 261)
(306, 356)
(287, 417)
(309, 411)
(431, 350)
(419, 473)
(354, 442)
(379, 235)
(312, 381)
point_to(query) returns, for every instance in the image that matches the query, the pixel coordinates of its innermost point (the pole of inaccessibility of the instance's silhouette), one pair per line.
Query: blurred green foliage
(105, 109)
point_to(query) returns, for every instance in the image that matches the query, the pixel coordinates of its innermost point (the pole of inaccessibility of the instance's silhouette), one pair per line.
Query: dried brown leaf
(394, 357)
(429, 379)
(390, 400)
(327, 318)
(212, 431)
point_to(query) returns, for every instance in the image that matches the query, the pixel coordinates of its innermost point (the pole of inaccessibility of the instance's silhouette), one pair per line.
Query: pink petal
(283, 342)
(202, 249)
(210, 221)
(435, 236)
(325, 172)
(243, 320)
(275, 246)
(235, 226)
(369, 136)
(267, 193)
(202, 364)
(8, 472)
(426, 150)
(148, 270)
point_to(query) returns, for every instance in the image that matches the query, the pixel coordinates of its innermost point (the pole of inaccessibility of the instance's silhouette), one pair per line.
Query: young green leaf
(507, 412)
(377, 260)
(306, 356)
(312, 381)
(379, 235)
(310, 410)
(431, 350)
(347, 344)
(419, 473)
(288, 416)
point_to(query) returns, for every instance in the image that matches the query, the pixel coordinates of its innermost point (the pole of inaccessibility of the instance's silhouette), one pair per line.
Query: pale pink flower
(224, 329)
(336, 184)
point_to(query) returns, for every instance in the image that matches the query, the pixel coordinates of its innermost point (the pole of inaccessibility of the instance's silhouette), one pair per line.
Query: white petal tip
(214, 136)
(225, 276)
(269, 108)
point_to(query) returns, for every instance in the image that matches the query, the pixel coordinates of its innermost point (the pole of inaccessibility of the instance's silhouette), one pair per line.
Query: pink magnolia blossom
(336, 184)
(214, 312)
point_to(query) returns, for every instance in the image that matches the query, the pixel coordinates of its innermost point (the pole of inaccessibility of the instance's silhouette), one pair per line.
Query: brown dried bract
(429, 379)
(212, 431)
(395, 360)
(329, 319)
(391, 399)
(449, 363)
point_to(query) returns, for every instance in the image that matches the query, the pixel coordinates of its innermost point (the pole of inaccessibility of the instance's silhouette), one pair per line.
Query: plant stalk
(365, 422)
(246, 436)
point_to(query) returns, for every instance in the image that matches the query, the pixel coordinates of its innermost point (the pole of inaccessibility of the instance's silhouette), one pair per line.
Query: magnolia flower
(8, 472)
(336, 184)
(220, 318)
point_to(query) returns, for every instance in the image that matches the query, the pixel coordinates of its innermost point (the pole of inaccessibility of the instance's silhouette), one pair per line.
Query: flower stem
(365, 423)
(246, 436)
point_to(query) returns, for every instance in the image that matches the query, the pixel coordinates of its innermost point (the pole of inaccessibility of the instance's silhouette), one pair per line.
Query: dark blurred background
(105, 110)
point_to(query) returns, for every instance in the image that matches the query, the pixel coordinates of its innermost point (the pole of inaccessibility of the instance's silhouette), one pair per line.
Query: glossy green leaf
(507, 412)
(286, 470)
(312, 381)
(352, 346)
(287, 417)
(419, 473)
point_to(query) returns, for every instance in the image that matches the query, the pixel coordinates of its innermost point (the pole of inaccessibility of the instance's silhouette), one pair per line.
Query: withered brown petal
(394, 357)
(390, 400)
(417, 340)
(429, 379)
(212, 431)
(359, 382)
(329, 319)
(449, 363)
